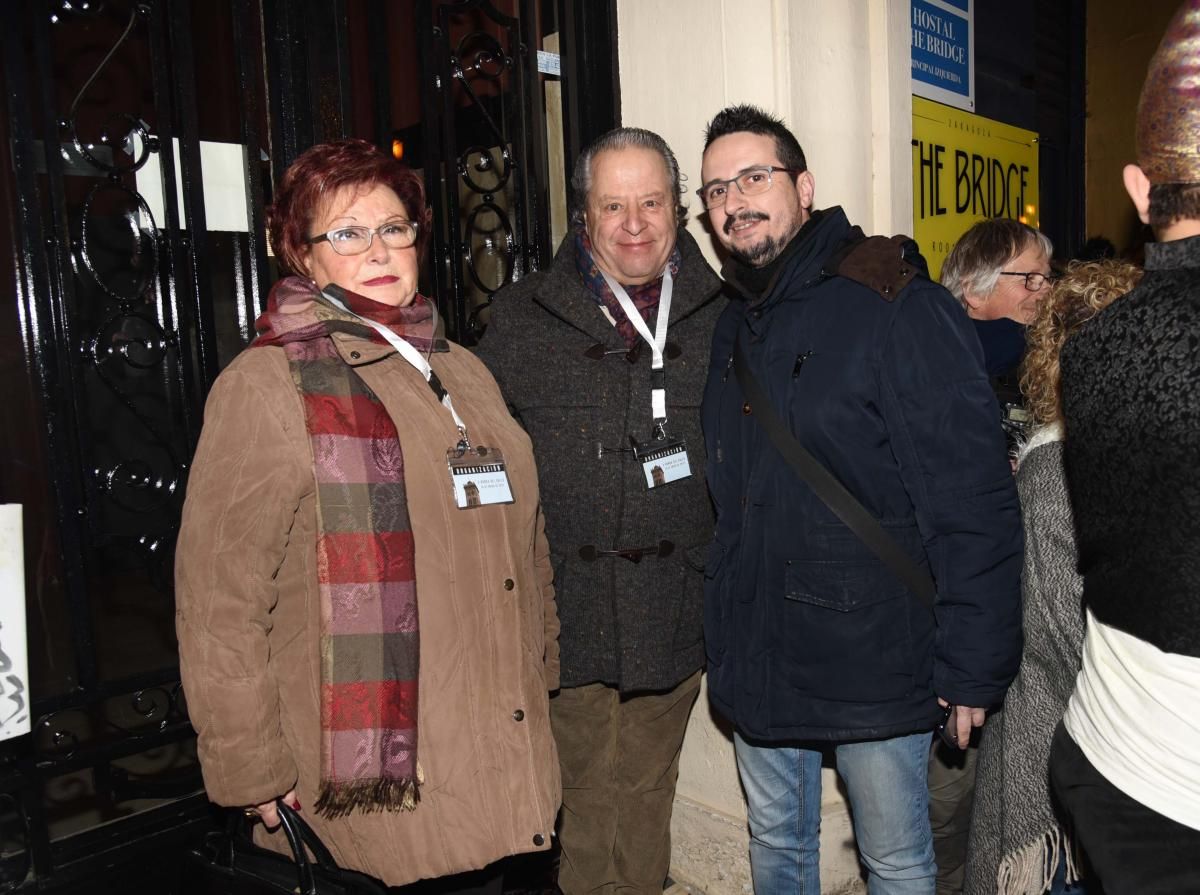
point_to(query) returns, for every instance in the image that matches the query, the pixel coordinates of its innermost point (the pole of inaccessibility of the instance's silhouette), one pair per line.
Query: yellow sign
(965, 169)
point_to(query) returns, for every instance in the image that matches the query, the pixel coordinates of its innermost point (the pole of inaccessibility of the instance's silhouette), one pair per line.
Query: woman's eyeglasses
(356, 240)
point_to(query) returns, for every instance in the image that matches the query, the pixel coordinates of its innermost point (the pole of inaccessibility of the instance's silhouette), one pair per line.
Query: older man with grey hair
(602, 358)
(998, 270)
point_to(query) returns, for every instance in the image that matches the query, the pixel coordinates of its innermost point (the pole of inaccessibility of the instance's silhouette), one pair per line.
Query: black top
(1131, 399)
(1003, 344)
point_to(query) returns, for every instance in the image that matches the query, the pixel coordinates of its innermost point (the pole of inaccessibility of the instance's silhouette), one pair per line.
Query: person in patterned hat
(1125, 762)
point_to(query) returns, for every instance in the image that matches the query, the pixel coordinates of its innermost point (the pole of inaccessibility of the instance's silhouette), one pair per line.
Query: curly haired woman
(1018, 845)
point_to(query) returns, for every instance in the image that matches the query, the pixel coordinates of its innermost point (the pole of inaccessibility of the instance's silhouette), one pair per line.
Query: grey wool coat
(1017, 838)
(631, 625)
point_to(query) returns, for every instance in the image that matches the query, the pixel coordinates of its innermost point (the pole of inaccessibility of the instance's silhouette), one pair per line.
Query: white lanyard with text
(664, 459)
(415, 360)
(656, 340)
(477, 474)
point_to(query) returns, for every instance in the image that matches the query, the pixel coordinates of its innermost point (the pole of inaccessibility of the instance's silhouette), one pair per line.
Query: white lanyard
(656, 340)
(415, 359)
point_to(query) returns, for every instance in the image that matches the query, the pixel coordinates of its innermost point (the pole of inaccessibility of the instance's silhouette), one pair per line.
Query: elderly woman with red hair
(365, 611)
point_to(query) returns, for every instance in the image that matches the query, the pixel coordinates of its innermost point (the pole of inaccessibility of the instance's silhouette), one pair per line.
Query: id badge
(664, 460)
(479, 477)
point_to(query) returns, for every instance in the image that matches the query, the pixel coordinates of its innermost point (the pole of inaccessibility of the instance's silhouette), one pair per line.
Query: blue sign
(942, 67)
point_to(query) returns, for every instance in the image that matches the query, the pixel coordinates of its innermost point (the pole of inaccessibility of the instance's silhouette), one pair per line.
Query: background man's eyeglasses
(356, 240)
(750, 182)
(1034, 280)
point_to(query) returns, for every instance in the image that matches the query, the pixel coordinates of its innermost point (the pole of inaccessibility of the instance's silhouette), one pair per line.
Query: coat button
(355, 355)
(508, 584)
(746, 408)
(518, 715)
(539, 840)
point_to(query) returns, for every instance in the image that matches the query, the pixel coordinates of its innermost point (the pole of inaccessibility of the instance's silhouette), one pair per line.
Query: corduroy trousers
(951, 798)
(619, 755)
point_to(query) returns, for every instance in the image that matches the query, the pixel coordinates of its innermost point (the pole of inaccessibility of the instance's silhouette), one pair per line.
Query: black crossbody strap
(829, 489)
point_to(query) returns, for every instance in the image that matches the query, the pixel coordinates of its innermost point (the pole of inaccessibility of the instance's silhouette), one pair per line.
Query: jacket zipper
(720, 415)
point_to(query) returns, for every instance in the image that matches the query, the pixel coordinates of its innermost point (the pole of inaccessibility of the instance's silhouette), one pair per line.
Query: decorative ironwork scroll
(486, 162)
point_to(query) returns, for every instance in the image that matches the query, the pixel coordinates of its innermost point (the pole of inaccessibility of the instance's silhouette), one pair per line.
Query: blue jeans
(889, 801)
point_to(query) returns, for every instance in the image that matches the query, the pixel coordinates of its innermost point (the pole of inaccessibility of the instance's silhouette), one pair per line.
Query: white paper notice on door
(14, 650)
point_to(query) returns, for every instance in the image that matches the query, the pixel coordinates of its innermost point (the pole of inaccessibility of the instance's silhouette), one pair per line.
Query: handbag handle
(294, 829)
(306, 835)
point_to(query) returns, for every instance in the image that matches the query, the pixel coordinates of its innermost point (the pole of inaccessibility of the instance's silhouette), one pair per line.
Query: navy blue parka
(808, 635)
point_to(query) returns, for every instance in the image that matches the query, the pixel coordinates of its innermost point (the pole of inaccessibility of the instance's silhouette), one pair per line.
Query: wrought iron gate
(129, 297)
(122, 318)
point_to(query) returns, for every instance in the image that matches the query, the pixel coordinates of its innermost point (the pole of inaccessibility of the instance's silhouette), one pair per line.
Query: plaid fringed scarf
(644, 297)
(365, 558)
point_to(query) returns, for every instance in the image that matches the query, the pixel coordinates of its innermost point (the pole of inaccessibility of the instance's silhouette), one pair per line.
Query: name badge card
(663, 461)
(479, 477)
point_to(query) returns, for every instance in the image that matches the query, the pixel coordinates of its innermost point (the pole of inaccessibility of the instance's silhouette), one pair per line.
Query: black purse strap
(306, 835)
(831, 492)
(294, 829)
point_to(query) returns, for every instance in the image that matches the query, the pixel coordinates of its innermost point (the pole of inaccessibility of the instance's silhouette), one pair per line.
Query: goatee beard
(761, 253)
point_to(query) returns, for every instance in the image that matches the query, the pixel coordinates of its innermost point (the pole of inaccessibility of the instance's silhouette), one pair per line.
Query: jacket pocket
(689, 617)
(845, 630)
(715, 603)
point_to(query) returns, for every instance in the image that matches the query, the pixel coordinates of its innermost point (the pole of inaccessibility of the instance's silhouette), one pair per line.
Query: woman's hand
(268, 811)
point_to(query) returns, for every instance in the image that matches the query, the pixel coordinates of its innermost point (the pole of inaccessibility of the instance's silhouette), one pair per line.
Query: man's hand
(268, 811)
(965, 718)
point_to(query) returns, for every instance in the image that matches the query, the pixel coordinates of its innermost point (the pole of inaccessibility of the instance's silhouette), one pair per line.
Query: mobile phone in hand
(947, 727)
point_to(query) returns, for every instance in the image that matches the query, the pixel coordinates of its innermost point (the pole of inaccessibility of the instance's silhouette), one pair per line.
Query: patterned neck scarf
(365, 556)
(644, 297)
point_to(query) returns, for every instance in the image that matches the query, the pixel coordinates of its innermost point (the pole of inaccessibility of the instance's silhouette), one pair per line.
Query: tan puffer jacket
(248, 618)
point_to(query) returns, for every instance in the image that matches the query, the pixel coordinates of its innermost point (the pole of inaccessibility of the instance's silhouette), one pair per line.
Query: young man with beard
(815, 644)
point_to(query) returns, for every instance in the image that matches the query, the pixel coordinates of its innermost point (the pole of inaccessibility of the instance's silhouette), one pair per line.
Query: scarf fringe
(1030, 869)
(339, 799)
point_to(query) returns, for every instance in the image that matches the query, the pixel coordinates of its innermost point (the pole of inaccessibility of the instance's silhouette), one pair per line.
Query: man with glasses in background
(814, 643)
(602, 358)
(998, 270)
